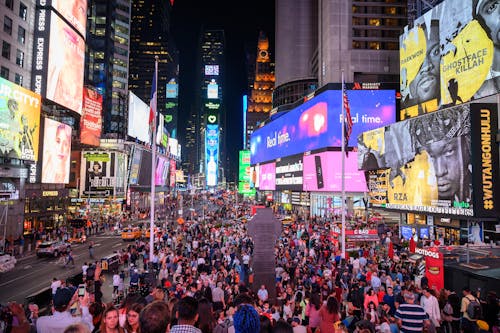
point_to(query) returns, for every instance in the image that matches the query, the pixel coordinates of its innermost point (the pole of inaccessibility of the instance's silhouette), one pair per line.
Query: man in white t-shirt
(55, 285)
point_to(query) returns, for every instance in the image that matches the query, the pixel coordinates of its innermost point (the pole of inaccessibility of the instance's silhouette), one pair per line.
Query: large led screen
(428, 160)
(211, 154)
(19, 121)
(267, 176)
(135, 166)
(316, 124)
(65, 67)
(289, 173)
(449, 56)
(56, 152)
(245, 174)
(99, 174)
(138, 118)
(323, 173)
(75, 11)
(91, 121)
(161, 172)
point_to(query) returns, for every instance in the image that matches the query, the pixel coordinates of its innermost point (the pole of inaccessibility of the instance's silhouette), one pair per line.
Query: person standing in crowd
(329, 315)
(109, 322)
(262, 293)
(187, 316)
(467, 324)
(430, 305)
(155, 318)
(132, 323)
(411, 317)
(246, 319)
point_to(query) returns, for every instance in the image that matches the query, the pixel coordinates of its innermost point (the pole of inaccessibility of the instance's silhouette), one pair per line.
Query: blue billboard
(211, 154)
(316, 123)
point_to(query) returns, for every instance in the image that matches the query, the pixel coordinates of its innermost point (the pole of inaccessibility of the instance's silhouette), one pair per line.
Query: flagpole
(343, 167)
(153, 167)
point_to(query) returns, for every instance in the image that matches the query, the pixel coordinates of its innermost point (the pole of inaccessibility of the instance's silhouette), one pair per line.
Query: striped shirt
(412, 317)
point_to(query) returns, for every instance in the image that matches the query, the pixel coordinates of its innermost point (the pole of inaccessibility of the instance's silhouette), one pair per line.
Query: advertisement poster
(138, 118)
(245, 174)
(161, 172)
(172, 173)
(91, 120)
(406, 231)
(136, 166)
(378, 181)
(56, 152)
(99, 170)
(434, 266)
(75, 11)
(289, 171)
(211, 154)
(316, 123)
(65, 67)
(429, 162)
(19, 122)
(476, 235)
(484, 121)
(448, 57)
(267, 177)
(323, 172)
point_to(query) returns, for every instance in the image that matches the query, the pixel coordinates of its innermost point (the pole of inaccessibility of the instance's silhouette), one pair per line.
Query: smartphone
(81, 290)
(319, 172)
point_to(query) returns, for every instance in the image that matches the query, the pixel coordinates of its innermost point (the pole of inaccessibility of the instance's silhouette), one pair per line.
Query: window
(20, 58)
(21, 35)
(9, 4)
(4, 72)
(7, 25)
(23, 11)
(18, 79)
(6, 50)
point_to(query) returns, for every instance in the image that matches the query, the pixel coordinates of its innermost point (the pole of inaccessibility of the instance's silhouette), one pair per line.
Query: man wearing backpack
(471, 312)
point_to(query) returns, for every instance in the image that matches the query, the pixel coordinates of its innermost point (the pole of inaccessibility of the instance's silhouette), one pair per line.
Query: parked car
(52, 248)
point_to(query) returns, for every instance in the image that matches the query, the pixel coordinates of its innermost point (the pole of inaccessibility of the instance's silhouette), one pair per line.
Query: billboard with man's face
(19, 121)
(450, 56)
(56, 152)
(427, 161)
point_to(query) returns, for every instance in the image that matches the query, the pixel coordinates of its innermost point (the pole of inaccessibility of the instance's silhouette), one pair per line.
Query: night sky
(241, 22)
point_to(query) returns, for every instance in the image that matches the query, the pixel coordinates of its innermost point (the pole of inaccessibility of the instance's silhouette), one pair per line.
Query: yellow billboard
(19, 121)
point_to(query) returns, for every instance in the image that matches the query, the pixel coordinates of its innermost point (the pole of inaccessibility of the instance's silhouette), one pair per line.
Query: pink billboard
(267, 176)
(323, 172)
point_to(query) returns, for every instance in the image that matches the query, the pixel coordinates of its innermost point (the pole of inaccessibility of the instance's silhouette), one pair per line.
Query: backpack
(474, 309)
(225, 327)
(448, 309)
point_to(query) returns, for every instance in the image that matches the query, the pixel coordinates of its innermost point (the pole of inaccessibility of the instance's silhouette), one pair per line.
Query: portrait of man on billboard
(445, 136)
(56, 152)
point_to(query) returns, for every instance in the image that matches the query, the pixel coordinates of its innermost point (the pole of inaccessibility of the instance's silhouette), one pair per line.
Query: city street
(32, 275)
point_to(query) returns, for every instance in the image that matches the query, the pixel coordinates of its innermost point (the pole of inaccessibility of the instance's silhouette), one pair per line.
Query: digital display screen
(212, 90)
(75, 11)
(317, 123)
(91, 120)
(65, 65)
(449, 57)
(323, 173)
(211, 69)
(428, 162)
(289, 173)
(56, 152)
(267, 176)
(19, 121)
(138, 118)
(211, 154)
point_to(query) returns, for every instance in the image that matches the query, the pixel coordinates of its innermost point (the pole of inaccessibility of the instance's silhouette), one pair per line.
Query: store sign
(50, 193)
(434, 266)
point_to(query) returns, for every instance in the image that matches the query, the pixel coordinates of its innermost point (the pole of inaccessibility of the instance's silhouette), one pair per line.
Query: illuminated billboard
(19, 121)
(428, 160)
(212, 90)
(172, 172)
(91, 120)
(138, 118)
(103, 174)
(267, 176)
(323, 173)
(135, 166)
(211, 154)
(65, 65)
(316, 123)
(172, 90)
(56, 152)
(75, 11)
(161, 172)
(448, 57)
(289, 173)
(211, 69)
(245, 174)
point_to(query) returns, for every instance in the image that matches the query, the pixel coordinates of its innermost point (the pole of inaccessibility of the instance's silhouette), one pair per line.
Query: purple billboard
(267, 176)
(323, 173)
(316, 123)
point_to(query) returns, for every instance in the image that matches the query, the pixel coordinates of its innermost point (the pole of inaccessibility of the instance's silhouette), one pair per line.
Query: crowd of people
(200, 279)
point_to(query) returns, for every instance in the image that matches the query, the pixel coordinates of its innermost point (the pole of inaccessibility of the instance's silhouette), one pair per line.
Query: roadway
(32, 274)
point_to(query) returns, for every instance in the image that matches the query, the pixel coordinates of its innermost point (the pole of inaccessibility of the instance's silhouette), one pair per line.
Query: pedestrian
(187, 315)
(155, 318)
(91, 250)
(467, 324)
(411, 317)
(69, 259)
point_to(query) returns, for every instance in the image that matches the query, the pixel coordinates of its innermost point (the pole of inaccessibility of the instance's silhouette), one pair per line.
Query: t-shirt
(412, 317)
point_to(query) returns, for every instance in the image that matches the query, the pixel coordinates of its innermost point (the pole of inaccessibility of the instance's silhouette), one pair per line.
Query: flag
(347, 119)
(152, 105)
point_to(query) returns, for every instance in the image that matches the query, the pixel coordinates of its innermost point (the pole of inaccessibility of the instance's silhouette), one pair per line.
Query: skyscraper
(150, 37)
(107, 60)
(261, 94)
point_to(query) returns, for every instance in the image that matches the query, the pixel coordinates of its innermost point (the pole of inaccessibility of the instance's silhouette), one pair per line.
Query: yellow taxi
(288, 220)
(130, 234)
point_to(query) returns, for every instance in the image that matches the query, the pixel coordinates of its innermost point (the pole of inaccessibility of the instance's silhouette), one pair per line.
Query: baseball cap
(296, 319)
(63, 296)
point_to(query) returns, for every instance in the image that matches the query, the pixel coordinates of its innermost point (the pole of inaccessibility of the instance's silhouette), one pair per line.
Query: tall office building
(17, 20)
(107, 60)
(328, 37)
(261, 93)
(150, 37)
(210, 107)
